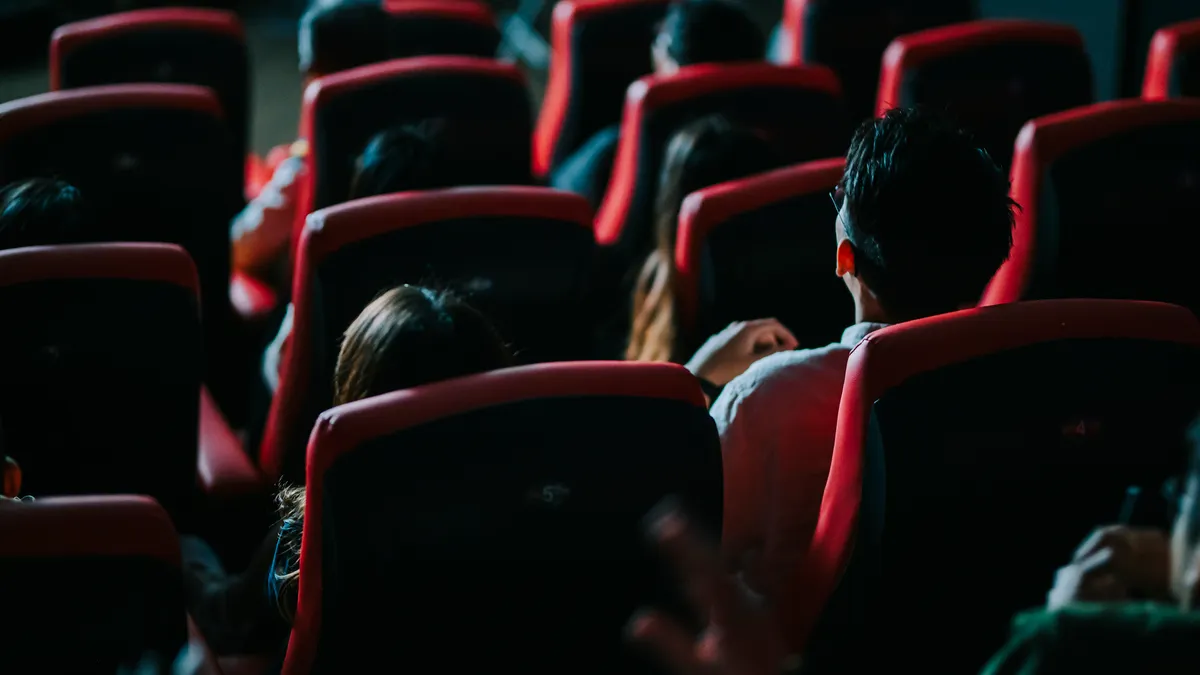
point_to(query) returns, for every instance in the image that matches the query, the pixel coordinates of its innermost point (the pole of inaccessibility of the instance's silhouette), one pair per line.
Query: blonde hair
(708, 151)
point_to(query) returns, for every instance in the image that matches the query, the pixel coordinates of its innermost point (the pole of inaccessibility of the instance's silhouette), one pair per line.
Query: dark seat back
(506, 506)
(177, 45)
(523, 256)
(1173, 66)
(992, 76)
(598, 48)
(1089, 181)
(153, 163)
(851, 36)
(97, 584)
(763, 246)
(483, 103)
(367, 33)
(961, 434)
(798, 107)
(100, 366)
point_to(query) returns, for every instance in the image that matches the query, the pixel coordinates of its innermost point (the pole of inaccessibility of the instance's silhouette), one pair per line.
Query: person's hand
(729, 353)
(1114, 564)
(741, 639)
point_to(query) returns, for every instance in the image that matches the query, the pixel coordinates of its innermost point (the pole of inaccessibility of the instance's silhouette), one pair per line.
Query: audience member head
(399, 159)
(924, 217)
(39, 212)
(707, 151)
(705, 31)
(341, 34)
(410, 336)
(406, 337)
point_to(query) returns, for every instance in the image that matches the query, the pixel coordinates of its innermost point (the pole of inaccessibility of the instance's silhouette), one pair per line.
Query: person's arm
(276, 351)
(260, 234)
(233, 611)
(729, 353)
(586, 171)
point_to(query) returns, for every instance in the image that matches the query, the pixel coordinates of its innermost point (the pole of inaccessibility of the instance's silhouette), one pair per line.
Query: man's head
(705, 31)
(924, 217)
(39, 212)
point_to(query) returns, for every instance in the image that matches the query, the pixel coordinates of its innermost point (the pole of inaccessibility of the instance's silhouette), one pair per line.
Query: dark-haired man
(924, 219)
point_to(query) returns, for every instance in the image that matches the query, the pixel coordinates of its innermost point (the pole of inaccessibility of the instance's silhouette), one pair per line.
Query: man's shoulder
(794, 372)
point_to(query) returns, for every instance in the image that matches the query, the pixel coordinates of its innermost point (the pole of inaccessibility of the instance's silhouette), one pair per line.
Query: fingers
(713, 593)
(1114, 537)
(763, 330)
(670, 642)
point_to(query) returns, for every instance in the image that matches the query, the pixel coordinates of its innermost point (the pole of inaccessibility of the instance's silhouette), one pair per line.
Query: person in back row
(402, 158)
(693, 31)
(40, 212)
(923, 221)
(329, 41)
(406, 337)
(708, 151)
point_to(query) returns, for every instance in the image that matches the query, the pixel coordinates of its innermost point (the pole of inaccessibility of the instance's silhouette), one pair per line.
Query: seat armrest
(222, 466)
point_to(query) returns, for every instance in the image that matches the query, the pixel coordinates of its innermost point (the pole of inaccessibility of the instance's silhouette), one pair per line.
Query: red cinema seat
(360, 34)
(798, 107)
(483, 105)
(153, 163)
(1173, 66)
(100, 388)
(505, 506)
(598, 47)
(986, 444)
(850, 37)
(992, 76)
(178, 45)
(97, 584)
(523, 256)
(1090, 181)
(763, 246)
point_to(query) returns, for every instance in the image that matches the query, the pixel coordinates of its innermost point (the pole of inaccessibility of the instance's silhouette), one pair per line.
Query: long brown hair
(708, 151)
(406, 337)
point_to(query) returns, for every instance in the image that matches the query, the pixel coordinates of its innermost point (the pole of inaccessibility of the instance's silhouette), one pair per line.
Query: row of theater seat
(1064, 404)
(160, 181)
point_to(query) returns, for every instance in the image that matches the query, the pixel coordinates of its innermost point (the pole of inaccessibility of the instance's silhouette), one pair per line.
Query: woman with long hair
(708, 151)
(406, 337)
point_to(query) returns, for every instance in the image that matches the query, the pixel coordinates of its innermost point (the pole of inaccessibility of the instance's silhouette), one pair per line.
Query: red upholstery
(17, 117)
(462, 10)
(894, 355)
(909, 52)
(330, 229)
(70, 37)
(222, 467)
(565, 81)
(159, 45)
(850, 38)
(143, 262)
(88, 526)
(348, 427)
(1044, 140)
(133, 610)
(325, 90)
(1168, 47)
(652, 93)
(711, 207)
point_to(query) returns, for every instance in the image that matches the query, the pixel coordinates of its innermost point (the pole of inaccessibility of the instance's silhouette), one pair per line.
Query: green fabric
(1126, 638)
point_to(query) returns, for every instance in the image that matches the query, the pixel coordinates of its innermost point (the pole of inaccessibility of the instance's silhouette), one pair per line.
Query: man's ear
(845, 258)
(12, 478)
